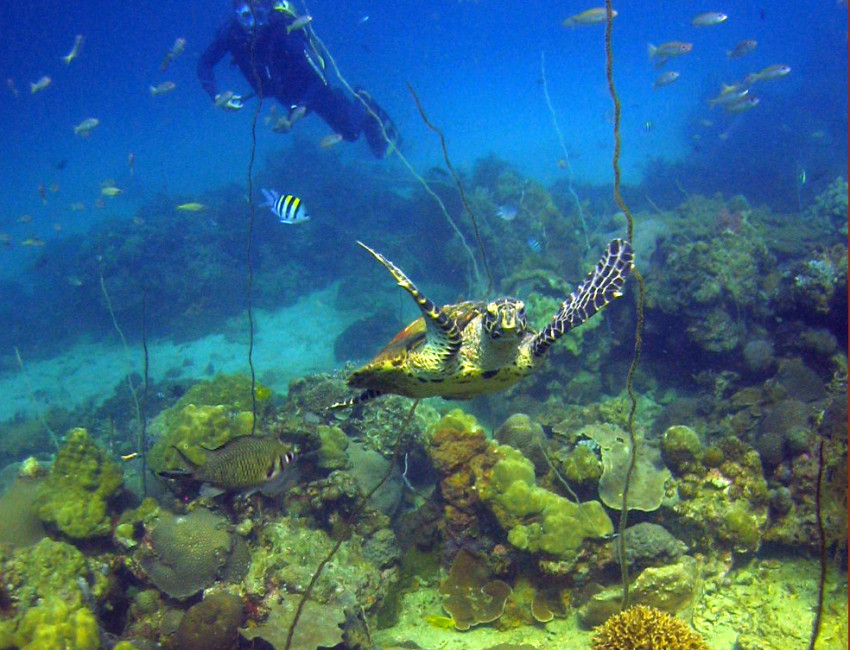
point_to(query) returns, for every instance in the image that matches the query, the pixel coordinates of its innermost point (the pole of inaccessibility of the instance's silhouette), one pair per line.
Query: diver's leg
(344, 116)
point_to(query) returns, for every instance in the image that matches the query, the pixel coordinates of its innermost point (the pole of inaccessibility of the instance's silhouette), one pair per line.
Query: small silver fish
(665, 79)
(708, 18)
(287, 207)
(299, 23)
(742, 49)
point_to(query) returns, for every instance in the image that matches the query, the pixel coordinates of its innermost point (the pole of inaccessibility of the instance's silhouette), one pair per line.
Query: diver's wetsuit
(284, 66)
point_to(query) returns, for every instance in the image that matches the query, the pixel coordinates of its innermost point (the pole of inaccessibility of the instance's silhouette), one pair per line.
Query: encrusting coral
(470, 595)
(642, 627)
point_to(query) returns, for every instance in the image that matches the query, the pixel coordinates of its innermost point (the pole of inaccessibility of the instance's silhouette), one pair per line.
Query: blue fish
(534, 245)
(287, 207)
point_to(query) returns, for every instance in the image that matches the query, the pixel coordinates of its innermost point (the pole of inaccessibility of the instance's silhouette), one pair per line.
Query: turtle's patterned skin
(470, 348)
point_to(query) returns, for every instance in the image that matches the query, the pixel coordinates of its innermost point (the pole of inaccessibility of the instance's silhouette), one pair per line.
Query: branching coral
(646, 627)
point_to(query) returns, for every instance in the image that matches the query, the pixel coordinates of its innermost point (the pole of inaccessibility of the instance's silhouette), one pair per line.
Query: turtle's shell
(413, 336)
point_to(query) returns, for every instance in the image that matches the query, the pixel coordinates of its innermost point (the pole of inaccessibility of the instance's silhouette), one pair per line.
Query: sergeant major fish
(244, 464)
(288, 208)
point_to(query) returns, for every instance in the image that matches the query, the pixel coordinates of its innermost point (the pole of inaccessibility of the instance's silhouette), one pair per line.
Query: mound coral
(82, 479)
(212, 624)
(536, 519)
(646, 627)
(187, 553)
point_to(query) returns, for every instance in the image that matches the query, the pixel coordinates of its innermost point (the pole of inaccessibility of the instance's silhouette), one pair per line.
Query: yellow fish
(110, 190)
(191, 207)
(442, 622)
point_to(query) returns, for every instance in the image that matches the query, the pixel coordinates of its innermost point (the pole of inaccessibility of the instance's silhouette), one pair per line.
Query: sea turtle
(466, 349)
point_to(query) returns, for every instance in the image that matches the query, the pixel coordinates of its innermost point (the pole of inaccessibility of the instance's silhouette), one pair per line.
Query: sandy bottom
(766, 605)
(288, 343)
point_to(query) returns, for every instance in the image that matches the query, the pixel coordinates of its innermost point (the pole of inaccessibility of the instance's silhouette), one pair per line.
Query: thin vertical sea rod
(630, 388)
(133, 393)
(821, 549)
(405, 161)
(142, 442)
(249, 249)
(456, 178)
(563, 149)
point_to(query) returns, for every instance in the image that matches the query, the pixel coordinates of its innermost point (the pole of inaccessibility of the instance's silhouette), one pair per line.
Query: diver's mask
(252, 14)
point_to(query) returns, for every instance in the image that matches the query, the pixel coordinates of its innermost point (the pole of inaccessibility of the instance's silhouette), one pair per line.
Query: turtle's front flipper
(442, 330)
(601, 286)
(365, 396)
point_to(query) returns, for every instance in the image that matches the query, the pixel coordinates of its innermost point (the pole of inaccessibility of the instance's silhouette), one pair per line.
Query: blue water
(477, 69)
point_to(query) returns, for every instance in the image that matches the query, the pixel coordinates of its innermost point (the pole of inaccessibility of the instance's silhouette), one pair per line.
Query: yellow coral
(646, 627)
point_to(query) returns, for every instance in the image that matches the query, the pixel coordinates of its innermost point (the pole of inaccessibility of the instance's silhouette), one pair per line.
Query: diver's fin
(437, 322)
(600, 287)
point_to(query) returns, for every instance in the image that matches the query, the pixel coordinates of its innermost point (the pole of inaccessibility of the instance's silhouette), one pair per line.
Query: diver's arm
(211, 56)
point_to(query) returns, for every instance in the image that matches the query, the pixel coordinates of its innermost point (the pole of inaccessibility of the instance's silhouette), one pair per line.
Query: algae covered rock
(668, 588)
(74, 495)
(318, 627)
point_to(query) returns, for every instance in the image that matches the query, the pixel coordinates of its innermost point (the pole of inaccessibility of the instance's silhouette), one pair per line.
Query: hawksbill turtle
(470, 348)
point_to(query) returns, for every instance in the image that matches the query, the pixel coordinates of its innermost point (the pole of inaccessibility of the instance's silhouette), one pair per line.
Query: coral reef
(74, 496)
(470, 595)
(287, 553)
(639, 625)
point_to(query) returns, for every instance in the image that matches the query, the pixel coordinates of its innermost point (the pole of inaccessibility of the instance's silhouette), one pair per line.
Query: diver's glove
(229, 101)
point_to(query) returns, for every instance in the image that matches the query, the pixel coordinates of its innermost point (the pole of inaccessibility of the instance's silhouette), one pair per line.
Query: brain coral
(187, 553)
(646, 627)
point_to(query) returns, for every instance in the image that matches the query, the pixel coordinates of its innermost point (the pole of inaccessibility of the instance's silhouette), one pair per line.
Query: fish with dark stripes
(245, 464)
(288, 208)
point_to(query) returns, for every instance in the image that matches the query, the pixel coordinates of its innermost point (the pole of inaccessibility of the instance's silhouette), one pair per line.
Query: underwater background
(153, 314)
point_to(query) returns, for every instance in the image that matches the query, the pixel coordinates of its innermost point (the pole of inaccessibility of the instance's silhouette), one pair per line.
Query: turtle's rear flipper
(443, 332)
(601, 286)
(365, 396)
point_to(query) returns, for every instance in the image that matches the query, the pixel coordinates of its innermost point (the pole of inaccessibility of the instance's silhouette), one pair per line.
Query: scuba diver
(274, 50)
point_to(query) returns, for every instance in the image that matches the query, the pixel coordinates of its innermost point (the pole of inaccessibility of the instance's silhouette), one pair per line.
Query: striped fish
(287, 207)
(243, 464)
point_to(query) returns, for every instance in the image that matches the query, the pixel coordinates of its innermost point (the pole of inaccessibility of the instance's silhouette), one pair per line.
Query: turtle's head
(505, 318)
